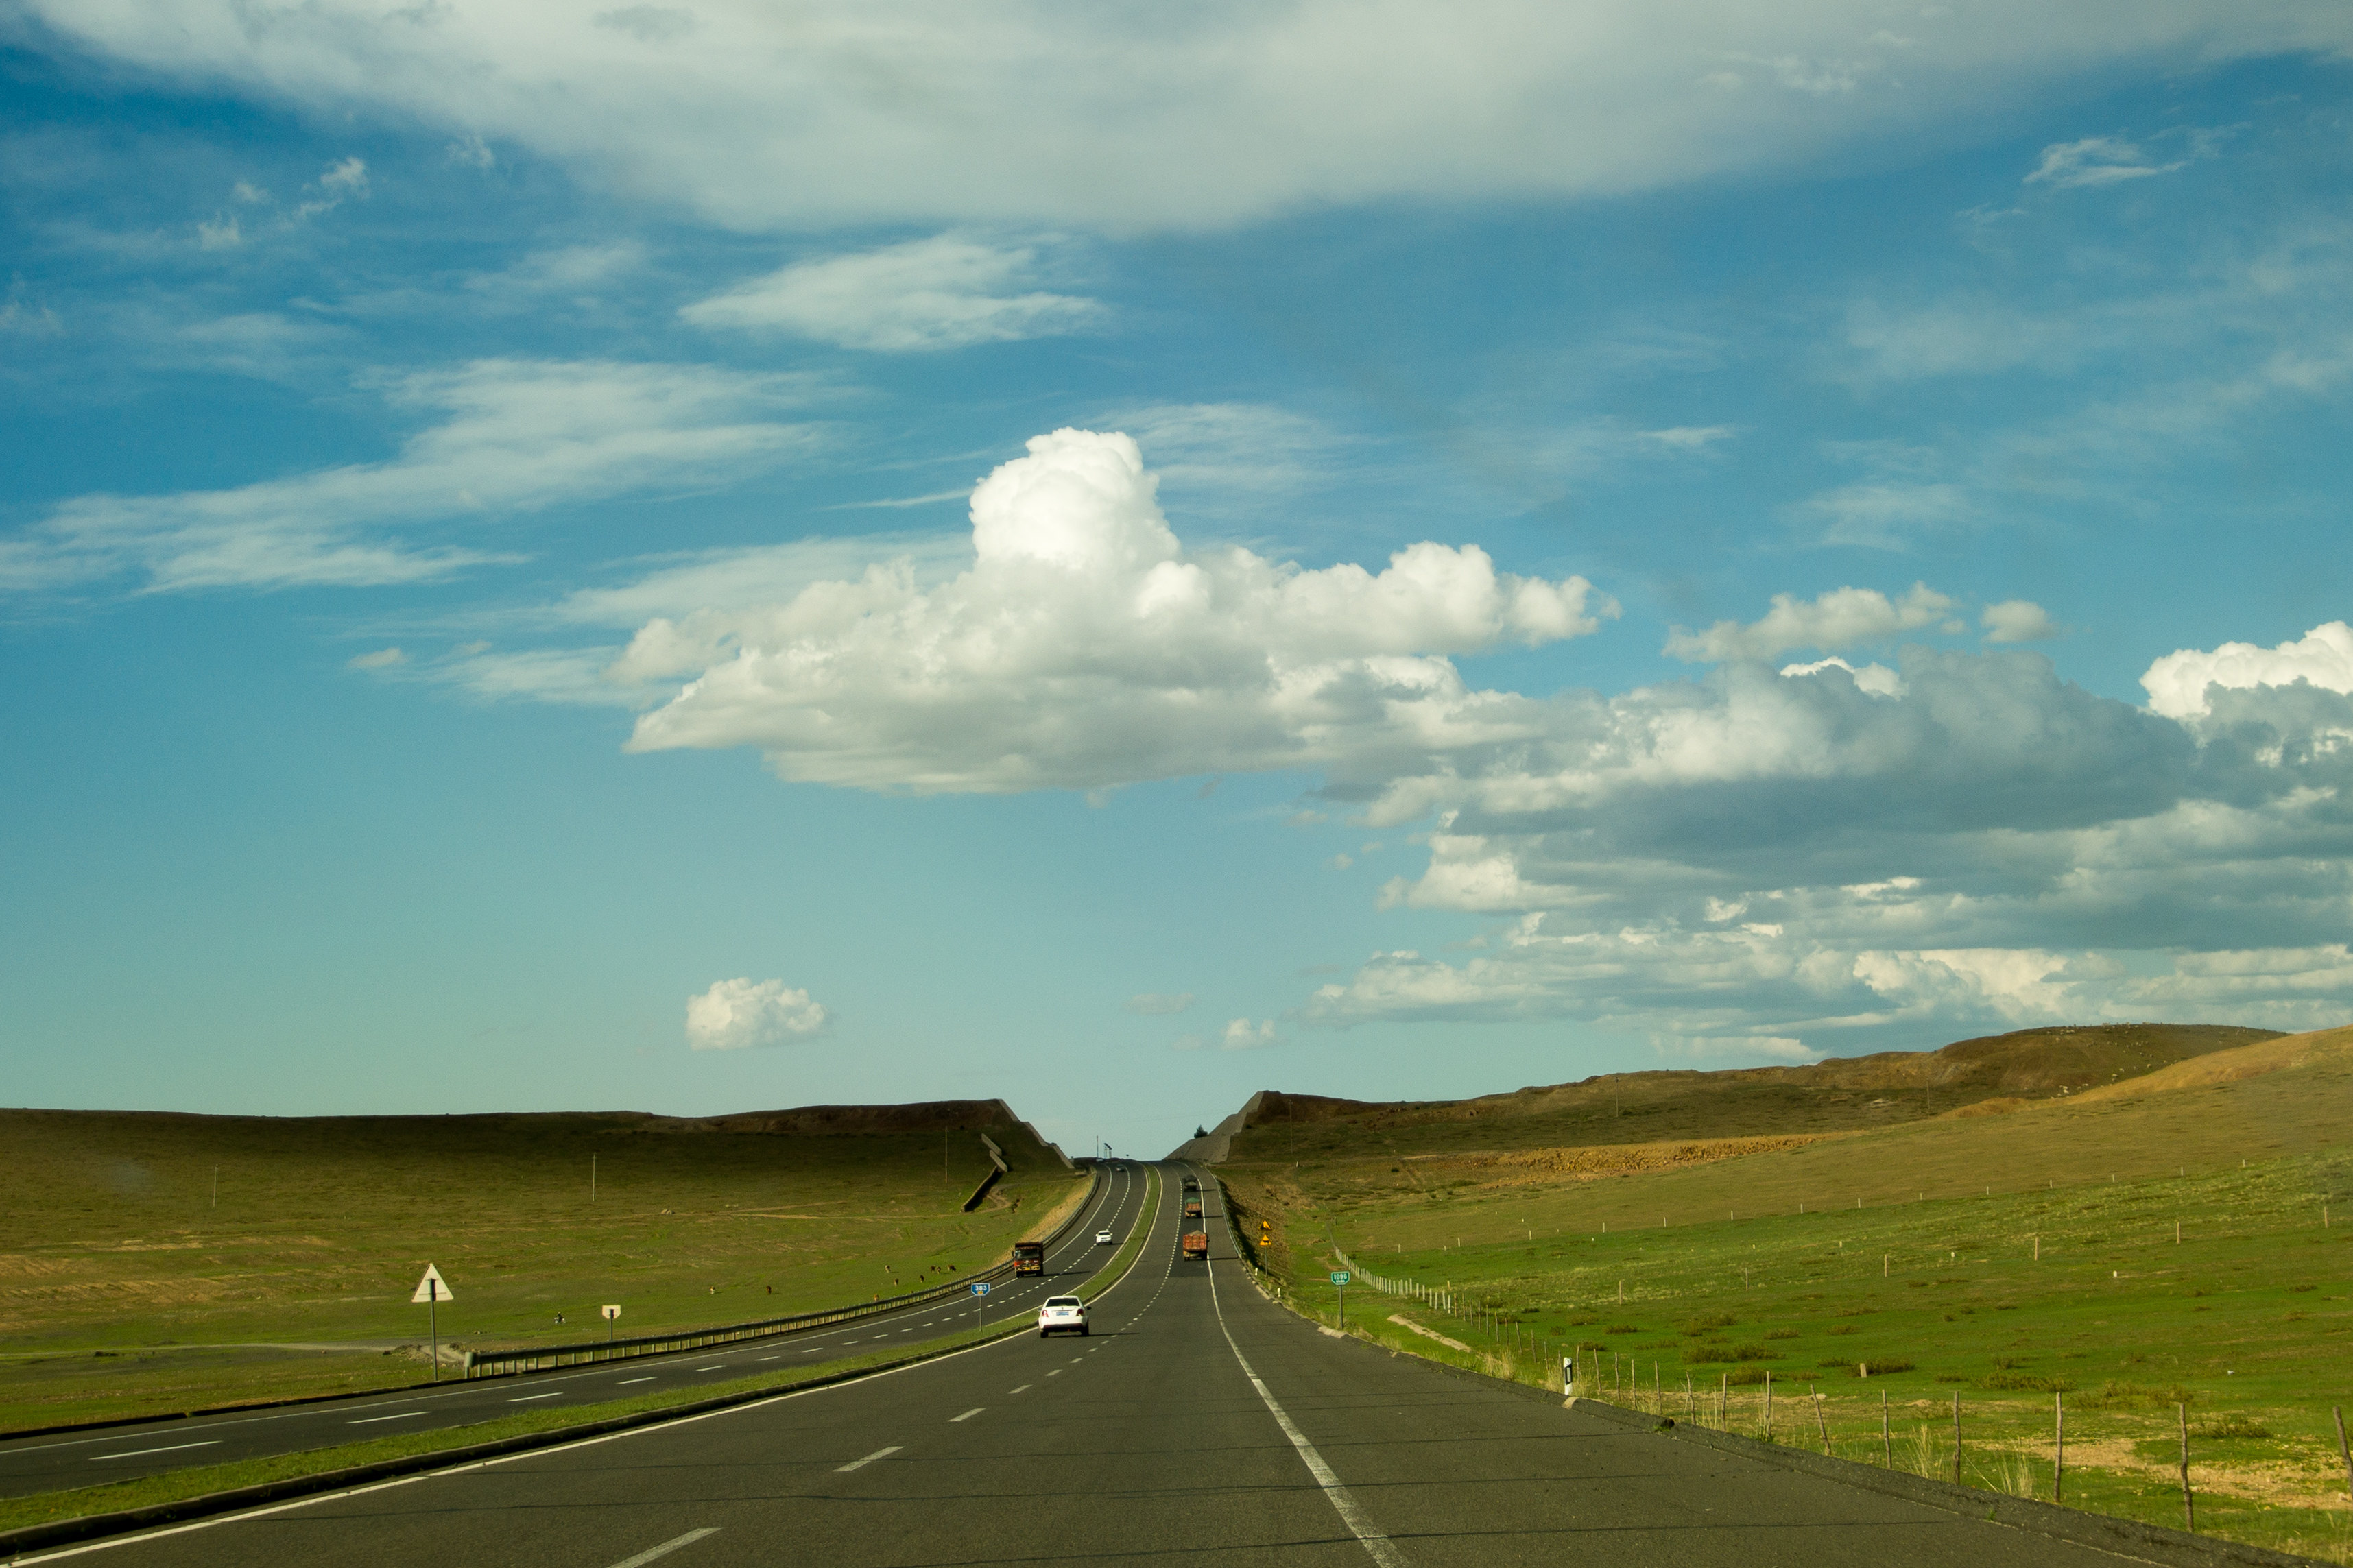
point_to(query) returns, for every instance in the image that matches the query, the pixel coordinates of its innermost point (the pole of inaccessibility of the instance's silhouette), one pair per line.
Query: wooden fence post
(2189, 1504)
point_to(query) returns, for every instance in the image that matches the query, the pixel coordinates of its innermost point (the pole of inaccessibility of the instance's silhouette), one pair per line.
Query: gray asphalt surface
(79, 1459)
(1198, 1423)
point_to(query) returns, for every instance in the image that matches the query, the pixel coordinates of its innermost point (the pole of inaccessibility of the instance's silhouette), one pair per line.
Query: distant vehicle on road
(1062, 1314)
(1029, 1257)
(1196, 1243)
(1103, 1238)
(1192, 1208)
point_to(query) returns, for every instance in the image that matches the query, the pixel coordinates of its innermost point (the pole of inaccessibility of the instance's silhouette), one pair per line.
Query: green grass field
(126, 1288)
(1935, 1281)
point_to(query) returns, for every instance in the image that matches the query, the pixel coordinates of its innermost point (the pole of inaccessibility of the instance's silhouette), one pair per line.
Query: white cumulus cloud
(2018, 620)
(736, 1013)
(938, 293)
(1876, 678)
(1241, 1034)
(2177, 684)
(1842, 617)
(1086, 648)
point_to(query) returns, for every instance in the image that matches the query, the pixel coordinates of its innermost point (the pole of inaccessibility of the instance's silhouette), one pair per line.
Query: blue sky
(1115, 557)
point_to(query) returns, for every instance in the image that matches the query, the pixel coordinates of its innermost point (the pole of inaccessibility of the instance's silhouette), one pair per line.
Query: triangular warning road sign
(432, 1288)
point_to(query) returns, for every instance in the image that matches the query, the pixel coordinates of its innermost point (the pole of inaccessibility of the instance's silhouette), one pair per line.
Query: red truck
(1192, 1208)
(1028, 1257)
(1196, 1243)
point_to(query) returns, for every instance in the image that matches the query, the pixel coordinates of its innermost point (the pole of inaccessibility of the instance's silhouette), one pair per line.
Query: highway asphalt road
(63, 1459)
(1198, 1423)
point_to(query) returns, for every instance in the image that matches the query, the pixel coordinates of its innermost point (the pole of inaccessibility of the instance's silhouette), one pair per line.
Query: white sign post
(612, 1316)
(433, 1291)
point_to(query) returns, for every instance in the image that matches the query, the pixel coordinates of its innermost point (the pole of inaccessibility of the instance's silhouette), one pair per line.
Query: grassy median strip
(1138, 1233)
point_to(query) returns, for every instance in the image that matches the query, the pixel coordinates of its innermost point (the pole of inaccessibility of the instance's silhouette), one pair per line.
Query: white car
(1103, 1238)
(1062, 1314)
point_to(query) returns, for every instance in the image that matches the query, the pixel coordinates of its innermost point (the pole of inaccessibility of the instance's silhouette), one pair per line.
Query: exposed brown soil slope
(1842, 1094)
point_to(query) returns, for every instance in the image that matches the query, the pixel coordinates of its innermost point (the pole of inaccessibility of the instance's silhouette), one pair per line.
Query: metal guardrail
(499, 1364)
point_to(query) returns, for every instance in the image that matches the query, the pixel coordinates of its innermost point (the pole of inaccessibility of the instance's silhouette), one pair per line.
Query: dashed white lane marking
(1023, 1389)
(627, 1381)
(714, 1366)
(665, 1548)
(862, 1464)
(170, 1448)
(1382, 1550)
(763, 1358)
(525, 1399)
(967, 1414)
(813, 1350)
(1056, 1373)
(396, 1416)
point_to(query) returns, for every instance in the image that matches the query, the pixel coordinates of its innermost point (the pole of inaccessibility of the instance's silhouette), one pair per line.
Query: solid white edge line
(666, 1548)
(862, 1464)
(115, 1541)
(172, 1448)
(1381, 1548)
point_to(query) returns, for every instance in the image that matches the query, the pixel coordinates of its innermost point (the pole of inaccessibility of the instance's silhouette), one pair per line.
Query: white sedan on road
(1062, 1314)
(1103, 1238)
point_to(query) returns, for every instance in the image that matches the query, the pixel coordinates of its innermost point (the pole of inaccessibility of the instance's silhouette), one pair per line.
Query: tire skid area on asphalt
(1146, 1440)
(60, 1460)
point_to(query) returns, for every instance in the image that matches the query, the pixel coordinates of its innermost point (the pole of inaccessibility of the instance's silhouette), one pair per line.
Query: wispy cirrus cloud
(927, 295)
(509, 437)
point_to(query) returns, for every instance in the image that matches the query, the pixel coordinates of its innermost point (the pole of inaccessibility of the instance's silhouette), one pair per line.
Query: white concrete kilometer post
(433, 1291)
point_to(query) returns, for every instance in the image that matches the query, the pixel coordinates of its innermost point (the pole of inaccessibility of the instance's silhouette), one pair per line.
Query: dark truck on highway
(1028, 1257)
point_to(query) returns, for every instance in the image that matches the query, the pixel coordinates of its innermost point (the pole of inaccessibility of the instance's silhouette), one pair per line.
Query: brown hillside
(1841, 1094)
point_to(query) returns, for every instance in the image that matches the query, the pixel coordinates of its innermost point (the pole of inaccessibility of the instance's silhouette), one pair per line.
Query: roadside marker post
(433, 1291)
(980, 1287)
(1340, 1279)
(612, 1312)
